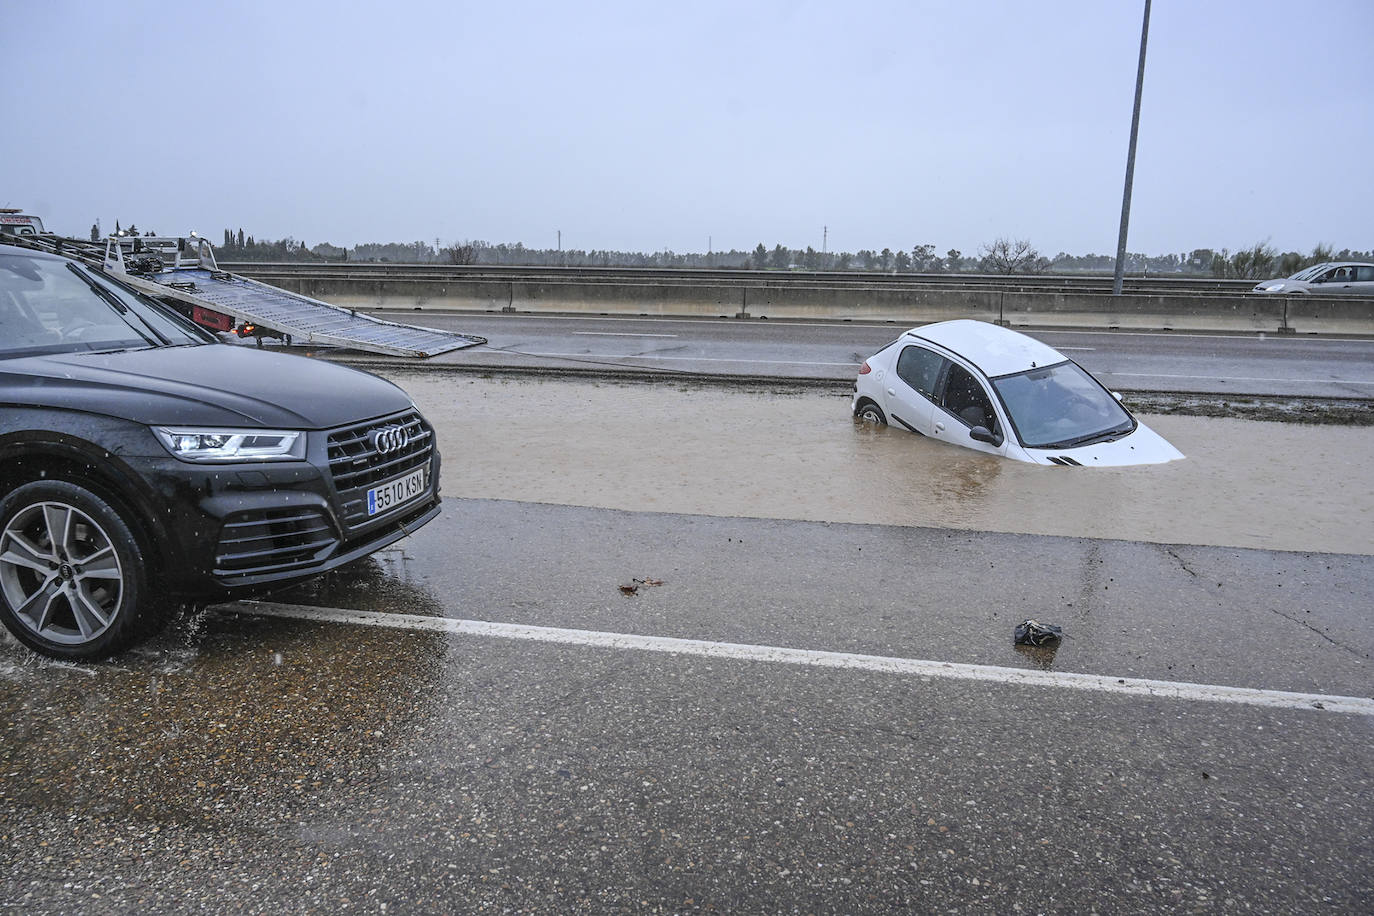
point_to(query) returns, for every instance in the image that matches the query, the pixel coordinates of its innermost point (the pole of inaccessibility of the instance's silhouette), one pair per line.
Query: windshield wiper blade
(1106, 435)
(124, 311)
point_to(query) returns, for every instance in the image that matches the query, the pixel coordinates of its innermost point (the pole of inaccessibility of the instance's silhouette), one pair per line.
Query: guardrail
(372, 270)
(1020, 301)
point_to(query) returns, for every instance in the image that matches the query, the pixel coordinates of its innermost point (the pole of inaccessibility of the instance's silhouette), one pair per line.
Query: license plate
(395, 492)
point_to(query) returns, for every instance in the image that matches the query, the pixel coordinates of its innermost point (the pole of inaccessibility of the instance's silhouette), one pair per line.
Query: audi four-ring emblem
(389, 439)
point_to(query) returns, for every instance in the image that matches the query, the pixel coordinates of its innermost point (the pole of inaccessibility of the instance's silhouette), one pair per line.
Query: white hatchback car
(1344, 279)
(992, 389)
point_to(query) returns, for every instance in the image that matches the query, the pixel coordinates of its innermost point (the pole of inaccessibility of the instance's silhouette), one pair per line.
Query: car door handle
(939, 427)
(891, 391)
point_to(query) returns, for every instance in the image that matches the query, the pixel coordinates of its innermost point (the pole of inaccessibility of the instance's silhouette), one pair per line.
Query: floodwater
(687, 448)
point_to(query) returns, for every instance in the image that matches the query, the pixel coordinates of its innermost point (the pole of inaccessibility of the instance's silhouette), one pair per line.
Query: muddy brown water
(710, 450)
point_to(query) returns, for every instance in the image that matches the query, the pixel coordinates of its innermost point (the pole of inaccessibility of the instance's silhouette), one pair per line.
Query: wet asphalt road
(247, 764)
(1240, 363)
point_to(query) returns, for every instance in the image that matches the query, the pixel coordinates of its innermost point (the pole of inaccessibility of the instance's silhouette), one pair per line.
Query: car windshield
(1061, 406)
(1310, 272)
(56, 306)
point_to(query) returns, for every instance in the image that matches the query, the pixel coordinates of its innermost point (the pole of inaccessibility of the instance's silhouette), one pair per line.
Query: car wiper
(1106, 435)
(124, 311)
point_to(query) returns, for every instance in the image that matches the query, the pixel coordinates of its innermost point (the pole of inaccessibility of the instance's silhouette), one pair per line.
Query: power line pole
(1130, 157)
(825, 238)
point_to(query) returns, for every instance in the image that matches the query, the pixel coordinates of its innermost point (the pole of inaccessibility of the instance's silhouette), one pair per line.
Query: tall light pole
(1130, 157)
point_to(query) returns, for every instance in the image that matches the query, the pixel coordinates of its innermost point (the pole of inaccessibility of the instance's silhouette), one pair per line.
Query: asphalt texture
(1213, 364)
(246, 764)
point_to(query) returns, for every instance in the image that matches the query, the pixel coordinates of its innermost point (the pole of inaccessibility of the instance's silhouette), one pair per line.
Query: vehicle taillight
(865, 368)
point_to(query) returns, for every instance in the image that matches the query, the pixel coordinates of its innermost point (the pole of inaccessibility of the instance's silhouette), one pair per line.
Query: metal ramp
(302, 319)
(183, 270)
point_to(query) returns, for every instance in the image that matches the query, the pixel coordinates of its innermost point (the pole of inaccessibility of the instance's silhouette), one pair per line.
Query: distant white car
(1344, 279)
(992, 389)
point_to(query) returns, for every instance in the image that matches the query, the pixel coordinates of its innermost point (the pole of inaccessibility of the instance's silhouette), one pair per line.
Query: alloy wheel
(60, 573)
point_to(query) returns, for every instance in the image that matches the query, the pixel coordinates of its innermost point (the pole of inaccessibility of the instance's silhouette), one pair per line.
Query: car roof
(28, 252)
(994, 349)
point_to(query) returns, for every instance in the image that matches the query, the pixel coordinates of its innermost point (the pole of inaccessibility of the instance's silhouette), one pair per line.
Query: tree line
(1000, 256)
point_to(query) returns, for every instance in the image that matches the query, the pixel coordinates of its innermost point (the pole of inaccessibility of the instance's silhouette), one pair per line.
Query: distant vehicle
(16, 222)
(1346, 278)
(144, 464)
(992, 389)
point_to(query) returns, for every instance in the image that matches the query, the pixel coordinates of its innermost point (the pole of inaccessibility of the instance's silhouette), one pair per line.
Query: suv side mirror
(983, 434)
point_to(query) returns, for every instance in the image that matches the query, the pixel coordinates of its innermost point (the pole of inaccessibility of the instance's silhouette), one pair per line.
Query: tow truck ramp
(183, 272)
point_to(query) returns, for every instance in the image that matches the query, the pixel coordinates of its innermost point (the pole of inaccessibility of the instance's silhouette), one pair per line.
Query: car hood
(1144, 446)
(214, 384)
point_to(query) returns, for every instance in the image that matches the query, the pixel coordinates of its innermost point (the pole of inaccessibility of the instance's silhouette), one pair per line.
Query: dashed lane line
(1134, 687)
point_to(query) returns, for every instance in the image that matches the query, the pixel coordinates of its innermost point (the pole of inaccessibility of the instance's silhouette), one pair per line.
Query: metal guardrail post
(1285, 327)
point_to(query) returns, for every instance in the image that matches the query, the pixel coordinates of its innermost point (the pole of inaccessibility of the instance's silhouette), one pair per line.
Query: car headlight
(219, 445)
(1272, 287)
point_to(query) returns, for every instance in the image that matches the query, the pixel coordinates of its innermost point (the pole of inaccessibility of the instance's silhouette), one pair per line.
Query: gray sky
(643, 126)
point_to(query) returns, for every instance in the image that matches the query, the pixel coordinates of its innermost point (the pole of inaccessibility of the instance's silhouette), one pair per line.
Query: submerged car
(1343, 279)
(144, 464)
(995, 390)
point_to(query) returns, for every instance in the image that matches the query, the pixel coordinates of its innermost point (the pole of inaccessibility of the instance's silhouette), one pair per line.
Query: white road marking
(685, 359)
(876, 324)
(798, 362)
(1238, 378)
(1137, 687)
(616, 334)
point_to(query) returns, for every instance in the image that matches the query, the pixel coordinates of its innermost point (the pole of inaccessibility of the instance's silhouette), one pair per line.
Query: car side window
(966, 399)
(1364, 274)
(920, 368)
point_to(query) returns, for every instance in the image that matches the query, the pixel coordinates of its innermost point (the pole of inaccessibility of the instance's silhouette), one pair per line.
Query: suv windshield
(1061, 406)
(56, 306)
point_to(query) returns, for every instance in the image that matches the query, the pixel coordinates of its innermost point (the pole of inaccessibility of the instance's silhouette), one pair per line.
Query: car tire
(870, 412)
(73, 576)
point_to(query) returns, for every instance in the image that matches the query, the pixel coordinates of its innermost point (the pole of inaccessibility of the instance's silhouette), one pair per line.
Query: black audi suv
(144, 464)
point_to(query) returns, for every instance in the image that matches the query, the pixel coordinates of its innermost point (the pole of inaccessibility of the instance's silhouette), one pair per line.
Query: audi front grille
(357, 463)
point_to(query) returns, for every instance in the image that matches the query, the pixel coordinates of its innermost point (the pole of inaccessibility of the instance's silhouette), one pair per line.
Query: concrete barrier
(703, 298)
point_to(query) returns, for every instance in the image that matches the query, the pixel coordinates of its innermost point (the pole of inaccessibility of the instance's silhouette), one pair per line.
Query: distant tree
(843, 261)
(1010, 256)
(760, 257)
(117, 229)
(95, 231)
(954, 258)
(902, 261)
(885, 259)
(924, 259)
(779, 258)
(460, 254)
(867, 259)
(1253, 263)
(240, 236)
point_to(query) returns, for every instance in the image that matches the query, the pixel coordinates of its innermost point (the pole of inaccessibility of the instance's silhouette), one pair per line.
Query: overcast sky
(646, 126)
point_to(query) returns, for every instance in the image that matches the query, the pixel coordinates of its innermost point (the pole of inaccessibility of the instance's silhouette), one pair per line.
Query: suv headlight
(218, 445)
